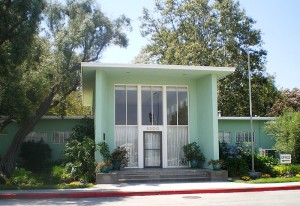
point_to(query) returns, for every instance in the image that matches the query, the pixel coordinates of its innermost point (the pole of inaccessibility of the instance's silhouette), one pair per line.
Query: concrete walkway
(119, 190)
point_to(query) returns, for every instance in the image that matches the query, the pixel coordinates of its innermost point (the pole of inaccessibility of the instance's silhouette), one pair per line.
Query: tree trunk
(8, 162)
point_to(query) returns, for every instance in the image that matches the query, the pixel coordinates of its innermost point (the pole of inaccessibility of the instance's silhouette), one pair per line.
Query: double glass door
(152, 149)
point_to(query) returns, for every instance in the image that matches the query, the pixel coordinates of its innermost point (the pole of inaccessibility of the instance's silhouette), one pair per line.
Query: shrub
(79, 159)
(265, 176)
(35, 156)
(60, 174)
(286, 170)
(234, 159)
(23, 177)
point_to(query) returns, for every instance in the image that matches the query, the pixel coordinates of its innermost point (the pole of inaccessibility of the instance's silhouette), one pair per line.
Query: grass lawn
(272, 180)
(62, 186)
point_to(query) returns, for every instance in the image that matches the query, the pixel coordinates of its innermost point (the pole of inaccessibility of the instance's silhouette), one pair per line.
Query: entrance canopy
(144, 70)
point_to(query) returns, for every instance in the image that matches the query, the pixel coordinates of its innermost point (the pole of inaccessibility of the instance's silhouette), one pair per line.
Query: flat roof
(182, 71)
(247, 118)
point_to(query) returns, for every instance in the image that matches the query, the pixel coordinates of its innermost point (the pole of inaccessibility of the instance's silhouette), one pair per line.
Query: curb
(49, 195)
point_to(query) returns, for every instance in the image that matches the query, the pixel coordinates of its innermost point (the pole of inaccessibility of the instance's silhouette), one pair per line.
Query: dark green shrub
(35, 156)
(234, 159)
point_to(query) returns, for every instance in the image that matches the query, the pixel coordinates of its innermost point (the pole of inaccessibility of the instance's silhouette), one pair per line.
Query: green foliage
(234, 159)
(78, 156)
(211, 33)
(79, 159)
(59, 174)
(35, 156)
(192, 151)
(238, 160)
(71, 32)
(287, 170)
(21, 176)
(84, 129)
(71, 106)
(286, 131)
(104, 151)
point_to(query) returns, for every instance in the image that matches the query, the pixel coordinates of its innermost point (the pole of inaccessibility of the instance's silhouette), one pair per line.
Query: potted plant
(119, 158)
(103, 167)
(216, 164)
(193, 154)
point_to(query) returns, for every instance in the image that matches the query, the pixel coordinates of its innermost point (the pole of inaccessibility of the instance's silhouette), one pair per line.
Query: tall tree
(72, 33)
(289, 99)
(18, 24)
(286, 132)
(211, 33)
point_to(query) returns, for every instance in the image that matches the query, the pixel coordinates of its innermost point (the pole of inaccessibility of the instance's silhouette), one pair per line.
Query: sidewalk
(119, 190)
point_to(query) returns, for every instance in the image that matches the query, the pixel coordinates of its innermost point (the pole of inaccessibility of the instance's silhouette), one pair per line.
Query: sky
(278, 20)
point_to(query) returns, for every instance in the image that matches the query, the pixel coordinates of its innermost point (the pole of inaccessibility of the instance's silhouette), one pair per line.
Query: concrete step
(160, 175)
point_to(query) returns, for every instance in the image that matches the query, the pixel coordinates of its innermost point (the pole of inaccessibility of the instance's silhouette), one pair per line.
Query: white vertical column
(165, 130)
(140, 131)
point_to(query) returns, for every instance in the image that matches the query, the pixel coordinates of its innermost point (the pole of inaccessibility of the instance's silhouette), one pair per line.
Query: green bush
(234, 159)
(286, 170)
(262, 163)
(23, 177)
(35, 156)
(79, 159)
(59, 174)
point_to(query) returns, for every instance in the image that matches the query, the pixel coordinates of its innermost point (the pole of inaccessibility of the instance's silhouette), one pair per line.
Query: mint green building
(153, 110)
(235, 130)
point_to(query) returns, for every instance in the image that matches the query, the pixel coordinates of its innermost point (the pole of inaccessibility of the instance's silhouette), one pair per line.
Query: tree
(289, 99)
(74, 32)
(211, 33)
(286, 131)
(71, 106)
(18, 24)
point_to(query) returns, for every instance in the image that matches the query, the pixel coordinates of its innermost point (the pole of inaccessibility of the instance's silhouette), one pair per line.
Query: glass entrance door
(152, 149)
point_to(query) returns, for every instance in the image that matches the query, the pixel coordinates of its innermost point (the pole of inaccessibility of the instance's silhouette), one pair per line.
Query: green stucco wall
(44, 125)
(203, 122)
(207, 123)
(262, 139)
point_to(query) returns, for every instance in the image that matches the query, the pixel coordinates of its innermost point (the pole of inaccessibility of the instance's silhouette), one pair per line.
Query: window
(61, 137)
(177, 120)
(224, 136)
(244, 136)
(125, 105)
(36, 137)
(152, 105)
(126, 129)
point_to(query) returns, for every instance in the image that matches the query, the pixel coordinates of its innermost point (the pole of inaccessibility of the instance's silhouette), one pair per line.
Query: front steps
(160, 175)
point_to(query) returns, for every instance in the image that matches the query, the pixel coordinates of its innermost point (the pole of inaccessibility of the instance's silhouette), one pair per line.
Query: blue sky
(279, 21)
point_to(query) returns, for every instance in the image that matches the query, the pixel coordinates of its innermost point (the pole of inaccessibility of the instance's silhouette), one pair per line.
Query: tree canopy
(71, 33)
(286, 131)
(288, 99)
(211, 33)
(18, 25)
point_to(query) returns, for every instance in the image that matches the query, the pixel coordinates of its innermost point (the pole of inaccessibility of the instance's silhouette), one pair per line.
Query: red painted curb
(48, 195)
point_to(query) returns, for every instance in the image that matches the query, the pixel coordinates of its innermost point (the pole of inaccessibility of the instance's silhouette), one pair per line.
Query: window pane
(182, 107)
(120, 105)
(172, 106)
(157, 106)
(147, 115)
(132, 105)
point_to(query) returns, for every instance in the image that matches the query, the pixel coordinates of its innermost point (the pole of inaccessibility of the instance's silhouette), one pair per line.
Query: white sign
(285, 159)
